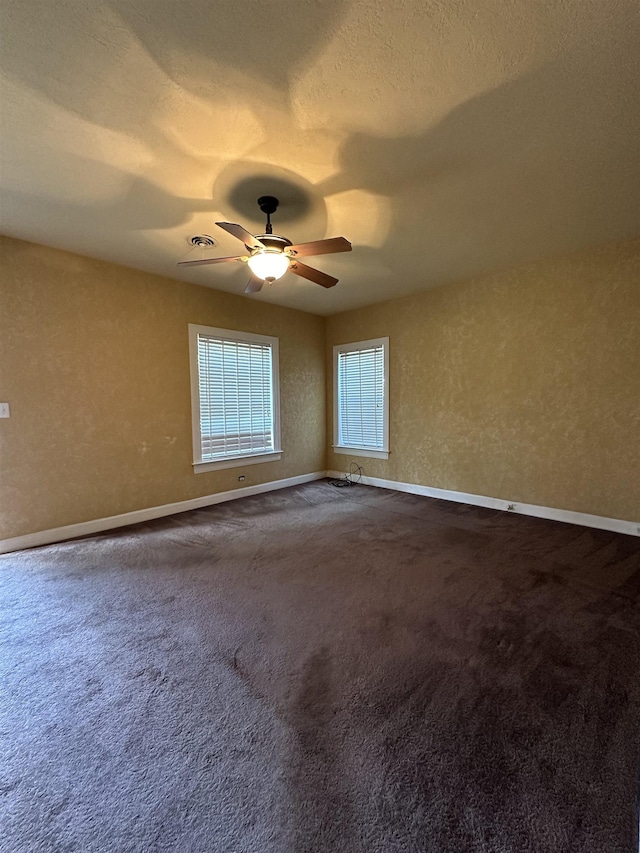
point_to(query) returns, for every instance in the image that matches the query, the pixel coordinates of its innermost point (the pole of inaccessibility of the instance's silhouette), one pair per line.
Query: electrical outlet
(241, 478)
(4, 410)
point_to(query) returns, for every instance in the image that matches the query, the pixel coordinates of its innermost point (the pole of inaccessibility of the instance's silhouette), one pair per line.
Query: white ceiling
(444, 138)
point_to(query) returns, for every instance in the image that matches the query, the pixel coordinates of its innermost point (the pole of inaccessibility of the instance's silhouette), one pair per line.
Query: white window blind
(361, 397)
(236, 397)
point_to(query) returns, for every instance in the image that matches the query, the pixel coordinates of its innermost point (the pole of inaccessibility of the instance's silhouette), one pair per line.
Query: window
(361, 402)
(234, 398)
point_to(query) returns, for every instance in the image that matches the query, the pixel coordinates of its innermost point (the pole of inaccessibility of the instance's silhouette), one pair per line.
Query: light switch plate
(4, 410)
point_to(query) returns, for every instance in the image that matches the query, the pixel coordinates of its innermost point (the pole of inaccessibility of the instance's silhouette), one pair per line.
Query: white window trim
(355, 450)
(200, 466)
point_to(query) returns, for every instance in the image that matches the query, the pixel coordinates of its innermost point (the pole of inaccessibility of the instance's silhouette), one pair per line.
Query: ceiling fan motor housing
(273, 242)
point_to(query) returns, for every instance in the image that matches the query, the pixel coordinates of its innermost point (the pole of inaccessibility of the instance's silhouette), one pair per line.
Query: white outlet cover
(4, 410)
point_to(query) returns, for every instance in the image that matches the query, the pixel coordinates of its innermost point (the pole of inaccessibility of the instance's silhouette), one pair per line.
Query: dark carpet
(322, 669)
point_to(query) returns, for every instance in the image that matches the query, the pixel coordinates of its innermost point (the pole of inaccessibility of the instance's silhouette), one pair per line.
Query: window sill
(369, 452)
(236, 461)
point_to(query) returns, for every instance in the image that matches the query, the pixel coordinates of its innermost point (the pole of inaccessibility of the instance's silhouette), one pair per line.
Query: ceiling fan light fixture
(269, 264)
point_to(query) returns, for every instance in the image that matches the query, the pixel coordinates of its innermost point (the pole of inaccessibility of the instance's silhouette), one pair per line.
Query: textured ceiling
(444, 138)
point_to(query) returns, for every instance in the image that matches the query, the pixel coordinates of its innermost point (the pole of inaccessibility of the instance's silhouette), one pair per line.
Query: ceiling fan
(270, 256)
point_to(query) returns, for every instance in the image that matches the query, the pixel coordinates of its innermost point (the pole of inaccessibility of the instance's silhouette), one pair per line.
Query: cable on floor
(355, 471)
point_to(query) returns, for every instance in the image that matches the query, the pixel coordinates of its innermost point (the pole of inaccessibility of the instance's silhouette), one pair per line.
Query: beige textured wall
(523, 386)
(94, 362)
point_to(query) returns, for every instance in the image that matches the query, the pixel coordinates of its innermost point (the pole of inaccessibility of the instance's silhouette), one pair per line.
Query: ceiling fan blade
(242, 234)
(320, 247)
(312, 274)
(210, 261)
(255, 284)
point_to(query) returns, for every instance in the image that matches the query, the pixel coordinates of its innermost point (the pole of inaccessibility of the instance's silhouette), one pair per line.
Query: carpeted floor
(321, 669)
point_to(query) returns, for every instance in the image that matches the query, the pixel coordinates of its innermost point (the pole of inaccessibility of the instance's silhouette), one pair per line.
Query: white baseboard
(86, 528)
(582, 518)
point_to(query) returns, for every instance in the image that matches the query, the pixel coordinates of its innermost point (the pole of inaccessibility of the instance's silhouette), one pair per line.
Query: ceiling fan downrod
(268, 204)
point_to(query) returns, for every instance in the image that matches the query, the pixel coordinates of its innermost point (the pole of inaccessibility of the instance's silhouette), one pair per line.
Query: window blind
(236, 397)
(361, 397)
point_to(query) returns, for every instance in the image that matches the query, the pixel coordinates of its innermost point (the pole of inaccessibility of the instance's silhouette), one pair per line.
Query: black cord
(348, 479)
(355, 470)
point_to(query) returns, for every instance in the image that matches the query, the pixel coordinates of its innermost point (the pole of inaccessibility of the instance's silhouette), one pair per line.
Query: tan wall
(523, 385)
(94, 362)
